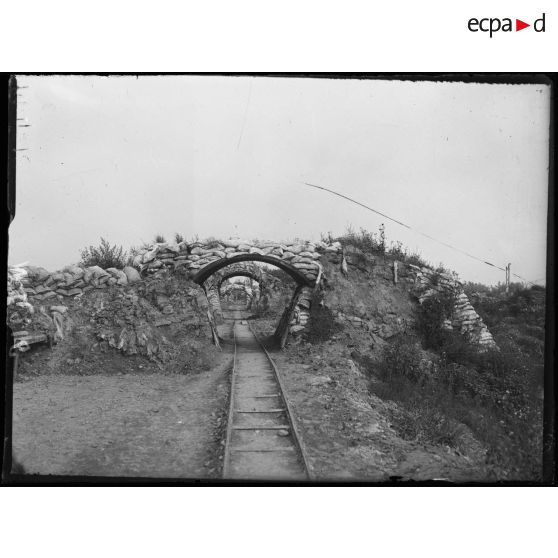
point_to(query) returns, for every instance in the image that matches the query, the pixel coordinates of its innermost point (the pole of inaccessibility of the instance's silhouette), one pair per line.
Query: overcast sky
(126, 158)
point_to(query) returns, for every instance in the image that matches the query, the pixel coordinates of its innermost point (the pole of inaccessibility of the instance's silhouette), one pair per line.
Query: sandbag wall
(464, 318)
(193, 257)
(38, 285)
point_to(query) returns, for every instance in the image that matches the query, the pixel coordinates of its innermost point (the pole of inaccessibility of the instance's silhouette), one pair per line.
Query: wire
(413, 229)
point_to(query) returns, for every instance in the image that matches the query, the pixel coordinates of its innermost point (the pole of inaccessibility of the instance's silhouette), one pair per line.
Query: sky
(126, 158)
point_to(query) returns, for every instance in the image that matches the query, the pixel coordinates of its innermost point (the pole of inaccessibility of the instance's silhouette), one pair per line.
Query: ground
(347, 432)
(139, 425)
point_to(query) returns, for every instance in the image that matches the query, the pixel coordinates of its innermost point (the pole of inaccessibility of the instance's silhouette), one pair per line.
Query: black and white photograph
(278, 279)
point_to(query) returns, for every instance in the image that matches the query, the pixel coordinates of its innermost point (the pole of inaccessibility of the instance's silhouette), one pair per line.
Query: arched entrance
(297, 274)
(296, 313)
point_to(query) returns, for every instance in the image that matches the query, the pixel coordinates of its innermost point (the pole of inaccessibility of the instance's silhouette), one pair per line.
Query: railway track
(262, 441)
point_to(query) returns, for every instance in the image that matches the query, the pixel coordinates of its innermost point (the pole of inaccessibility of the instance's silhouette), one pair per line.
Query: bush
(178, 238)
(366, 241)
(431, 316)
(410, 379)
(104, 256)
(402, 358)
(321, 325)
(159, 239)
(492, 393)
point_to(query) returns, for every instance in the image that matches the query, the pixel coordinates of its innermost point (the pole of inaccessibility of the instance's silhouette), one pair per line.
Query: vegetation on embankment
(446, 392)
(376, 244)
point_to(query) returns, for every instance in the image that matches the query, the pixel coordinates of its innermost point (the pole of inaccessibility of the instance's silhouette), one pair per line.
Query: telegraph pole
(508, 273)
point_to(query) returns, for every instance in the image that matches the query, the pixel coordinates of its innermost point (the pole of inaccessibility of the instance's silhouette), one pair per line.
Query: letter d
(537, 21)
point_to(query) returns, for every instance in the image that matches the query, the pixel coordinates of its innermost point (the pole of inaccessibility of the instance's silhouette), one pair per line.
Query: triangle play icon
(519, 25)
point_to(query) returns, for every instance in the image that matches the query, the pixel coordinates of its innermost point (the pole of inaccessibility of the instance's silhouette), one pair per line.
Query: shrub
(104, 255)
(363, 240)
(490, 396)
(408, 378)
(401, 358)
(178, 238)
(159, 238)
(431, 316)
(321, 325)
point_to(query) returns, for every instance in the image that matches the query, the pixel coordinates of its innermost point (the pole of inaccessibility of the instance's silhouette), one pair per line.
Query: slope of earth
(347, 431)
(374, 401)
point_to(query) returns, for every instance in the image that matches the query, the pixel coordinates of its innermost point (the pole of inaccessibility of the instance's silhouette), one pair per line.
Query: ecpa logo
(494, 24)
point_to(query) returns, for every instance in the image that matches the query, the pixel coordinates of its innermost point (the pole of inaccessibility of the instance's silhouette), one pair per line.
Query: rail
(248, 440)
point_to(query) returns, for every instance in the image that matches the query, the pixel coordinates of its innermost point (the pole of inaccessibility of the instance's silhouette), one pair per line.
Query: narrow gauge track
(262, 441)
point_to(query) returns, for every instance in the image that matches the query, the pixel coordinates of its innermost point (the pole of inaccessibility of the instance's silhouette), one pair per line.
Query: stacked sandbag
(19, 310)
(301, 313)
(159, 260)
(18, 280)
(159, 256)
(25, 318)
(43, 286)
(464, 318)
(303, 256)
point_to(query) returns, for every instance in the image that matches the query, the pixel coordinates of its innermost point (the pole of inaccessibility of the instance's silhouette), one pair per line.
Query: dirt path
(129, 425)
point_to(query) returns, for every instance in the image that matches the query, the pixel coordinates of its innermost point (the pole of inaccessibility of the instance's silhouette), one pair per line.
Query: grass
(494, 394)
(212, 243)
(377, 244)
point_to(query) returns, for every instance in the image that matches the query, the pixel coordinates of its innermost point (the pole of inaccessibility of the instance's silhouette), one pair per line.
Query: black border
(8, 169)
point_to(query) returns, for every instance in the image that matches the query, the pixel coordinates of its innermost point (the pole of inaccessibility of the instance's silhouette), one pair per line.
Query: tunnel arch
(231, 274)
(205, 272)
(235, 289)
(201, 261)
